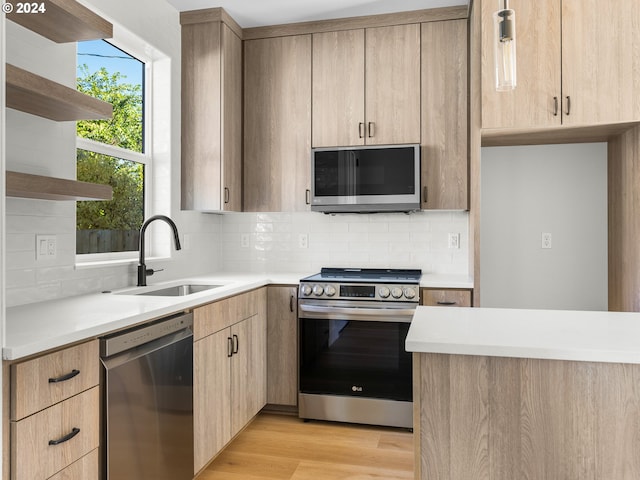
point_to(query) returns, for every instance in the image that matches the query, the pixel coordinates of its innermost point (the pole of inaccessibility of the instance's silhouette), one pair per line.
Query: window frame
(146, 158)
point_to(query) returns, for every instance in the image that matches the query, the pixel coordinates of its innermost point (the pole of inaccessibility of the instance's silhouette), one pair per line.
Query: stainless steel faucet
(142, 268)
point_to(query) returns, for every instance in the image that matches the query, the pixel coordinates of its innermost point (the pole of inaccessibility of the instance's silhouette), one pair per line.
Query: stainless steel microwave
(381, 178)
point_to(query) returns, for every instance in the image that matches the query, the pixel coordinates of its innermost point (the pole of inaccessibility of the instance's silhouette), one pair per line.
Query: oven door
(355, 348)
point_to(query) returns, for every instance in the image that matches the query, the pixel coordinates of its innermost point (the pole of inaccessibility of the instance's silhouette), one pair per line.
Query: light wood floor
(286, 448)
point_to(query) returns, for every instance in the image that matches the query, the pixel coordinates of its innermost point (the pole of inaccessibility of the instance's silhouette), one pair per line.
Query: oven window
(389, 171)
(355, 358)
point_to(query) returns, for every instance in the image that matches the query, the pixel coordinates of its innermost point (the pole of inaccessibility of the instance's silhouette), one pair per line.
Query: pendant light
(504, 22)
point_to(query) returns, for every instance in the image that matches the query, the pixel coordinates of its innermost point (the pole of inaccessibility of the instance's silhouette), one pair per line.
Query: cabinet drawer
(87, 468)
(451, 298)
(32, 456)
(41, 382)
(219, 315)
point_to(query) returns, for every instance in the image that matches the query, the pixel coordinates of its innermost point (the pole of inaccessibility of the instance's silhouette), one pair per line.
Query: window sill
(84, 265)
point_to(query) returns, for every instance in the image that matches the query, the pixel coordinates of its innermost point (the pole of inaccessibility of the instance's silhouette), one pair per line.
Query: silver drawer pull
(66, 438)
(64, 378)
(447, 303)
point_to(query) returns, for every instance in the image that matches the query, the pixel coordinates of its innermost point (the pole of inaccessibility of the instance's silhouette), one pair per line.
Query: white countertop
(547, 334)
(38, 327)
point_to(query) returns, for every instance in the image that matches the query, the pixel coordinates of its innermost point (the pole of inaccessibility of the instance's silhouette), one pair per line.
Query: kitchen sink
(177, 290)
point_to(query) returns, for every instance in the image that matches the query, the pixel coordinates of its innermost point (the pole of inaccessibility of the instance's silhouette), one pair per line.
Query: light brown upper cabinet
(366, 86)
(445, 159)
(575, 61)
(211, 117)
(277, 124)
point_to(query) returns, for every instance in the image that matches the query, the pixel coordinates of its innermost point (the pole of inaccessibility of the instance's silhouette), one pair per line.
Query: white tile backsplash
(418, 240)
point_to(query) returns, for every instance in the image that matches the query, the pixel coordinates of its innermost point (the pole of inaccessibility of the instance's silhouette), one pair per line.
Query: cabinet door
(445, 164)
(600, 61)
(231, 101)
(282, 346)
(532, 102)
(277, 124)
(211, 396)
(211, 117)
(338, 89)
(392, 84)
(249, 370)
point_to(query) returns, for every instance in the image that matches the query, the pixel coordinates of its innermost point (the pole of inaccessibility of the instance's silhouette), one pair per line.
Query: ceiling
(255, 13)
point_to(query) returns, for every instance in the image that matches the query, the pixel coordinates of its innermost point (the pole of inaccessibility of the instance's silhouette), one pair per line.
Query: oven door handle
(398, 315)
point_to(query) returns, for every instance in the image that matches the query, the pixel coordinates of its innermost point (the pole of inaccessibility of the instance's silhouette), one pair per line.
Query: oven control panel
(359, 291)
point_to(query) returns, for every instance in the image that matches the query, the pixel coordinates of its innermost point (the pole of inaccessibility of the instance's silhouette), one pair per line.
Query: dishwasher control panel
(134, 337)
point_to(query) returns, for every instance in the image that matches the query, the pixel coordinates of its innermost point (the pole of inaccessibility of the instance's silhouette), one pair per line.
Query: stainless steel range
(352, 326)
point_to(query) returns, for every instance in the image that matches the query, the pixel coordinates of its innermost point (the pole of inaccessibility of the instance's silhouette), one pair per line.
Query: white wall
(559, 189)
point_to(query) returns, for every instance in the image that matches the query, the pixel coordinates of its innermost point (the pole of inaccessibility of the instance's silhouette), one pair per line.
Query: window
(112, 151)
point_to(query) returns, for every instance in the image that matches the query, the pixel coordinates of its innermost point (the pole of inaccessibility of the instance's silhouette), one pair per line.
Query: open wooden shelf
(40, 96)
(65, 21)
(25, 185)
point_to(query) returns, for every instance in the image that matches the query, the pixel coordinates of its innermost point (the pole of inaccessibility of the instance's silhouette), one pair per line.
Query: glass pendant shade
(505, 48)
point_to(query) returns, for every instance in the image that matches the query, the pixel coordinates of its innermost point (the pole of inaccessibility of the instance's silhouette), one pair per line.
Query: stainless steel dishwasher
(148, 401)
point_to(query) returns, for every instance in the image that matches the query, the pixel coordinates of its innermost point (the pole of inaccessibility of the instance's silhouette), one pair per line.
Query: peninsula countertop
(593, 336)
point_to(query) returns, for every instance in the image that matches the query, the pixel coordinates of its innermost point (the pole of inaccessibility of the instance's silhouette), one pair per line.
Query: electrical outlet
(303, 240)
(244, 240)
(546, 240)
(46, 247)
(454, 240)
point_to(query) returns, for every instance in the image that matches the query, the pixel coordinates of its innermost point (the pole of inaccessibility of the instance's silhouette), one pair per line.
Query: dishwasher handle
(398, 315)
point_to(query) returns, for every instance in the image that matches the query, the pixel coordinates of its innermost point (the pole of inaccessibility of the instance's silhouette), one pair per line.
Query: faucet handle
(151, 271)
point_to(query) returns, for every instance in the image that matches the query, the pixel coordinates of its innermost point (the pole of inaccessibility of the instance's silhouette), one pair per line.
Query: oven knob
(410, 293)
(384, 292)
(318, 290)
(396, 292)
(330, 290)
(306, 290)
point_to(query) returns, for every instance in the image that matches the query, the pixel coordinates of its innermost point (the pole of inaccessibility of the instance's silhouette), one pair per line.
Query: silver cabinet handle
(226, 195)
(361, 130)
(446, 303)
(424, 194)
(568, 105)
(371, 129)
(555, 106)
(307, 196)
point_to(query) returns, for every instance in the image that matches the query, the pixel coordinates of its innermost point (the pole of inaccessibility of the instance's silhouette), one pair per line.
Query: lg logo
(355, 388)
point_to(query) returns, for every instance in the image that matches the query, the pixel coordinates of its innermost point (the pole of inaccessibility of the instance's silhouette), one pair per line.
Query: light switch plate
(454, 240)
(46, 247)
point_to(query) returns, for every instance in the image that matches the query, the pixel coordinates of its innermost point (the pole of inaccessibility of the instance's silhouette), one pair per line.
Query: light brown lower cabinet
(446, 297)
(230, 372)
(45, 443)
(282, 345)
(52, 415)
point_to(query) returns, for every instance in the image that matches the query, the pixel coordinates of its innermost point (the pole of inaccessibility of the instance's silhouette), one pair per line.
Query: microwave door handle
(400, 315)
